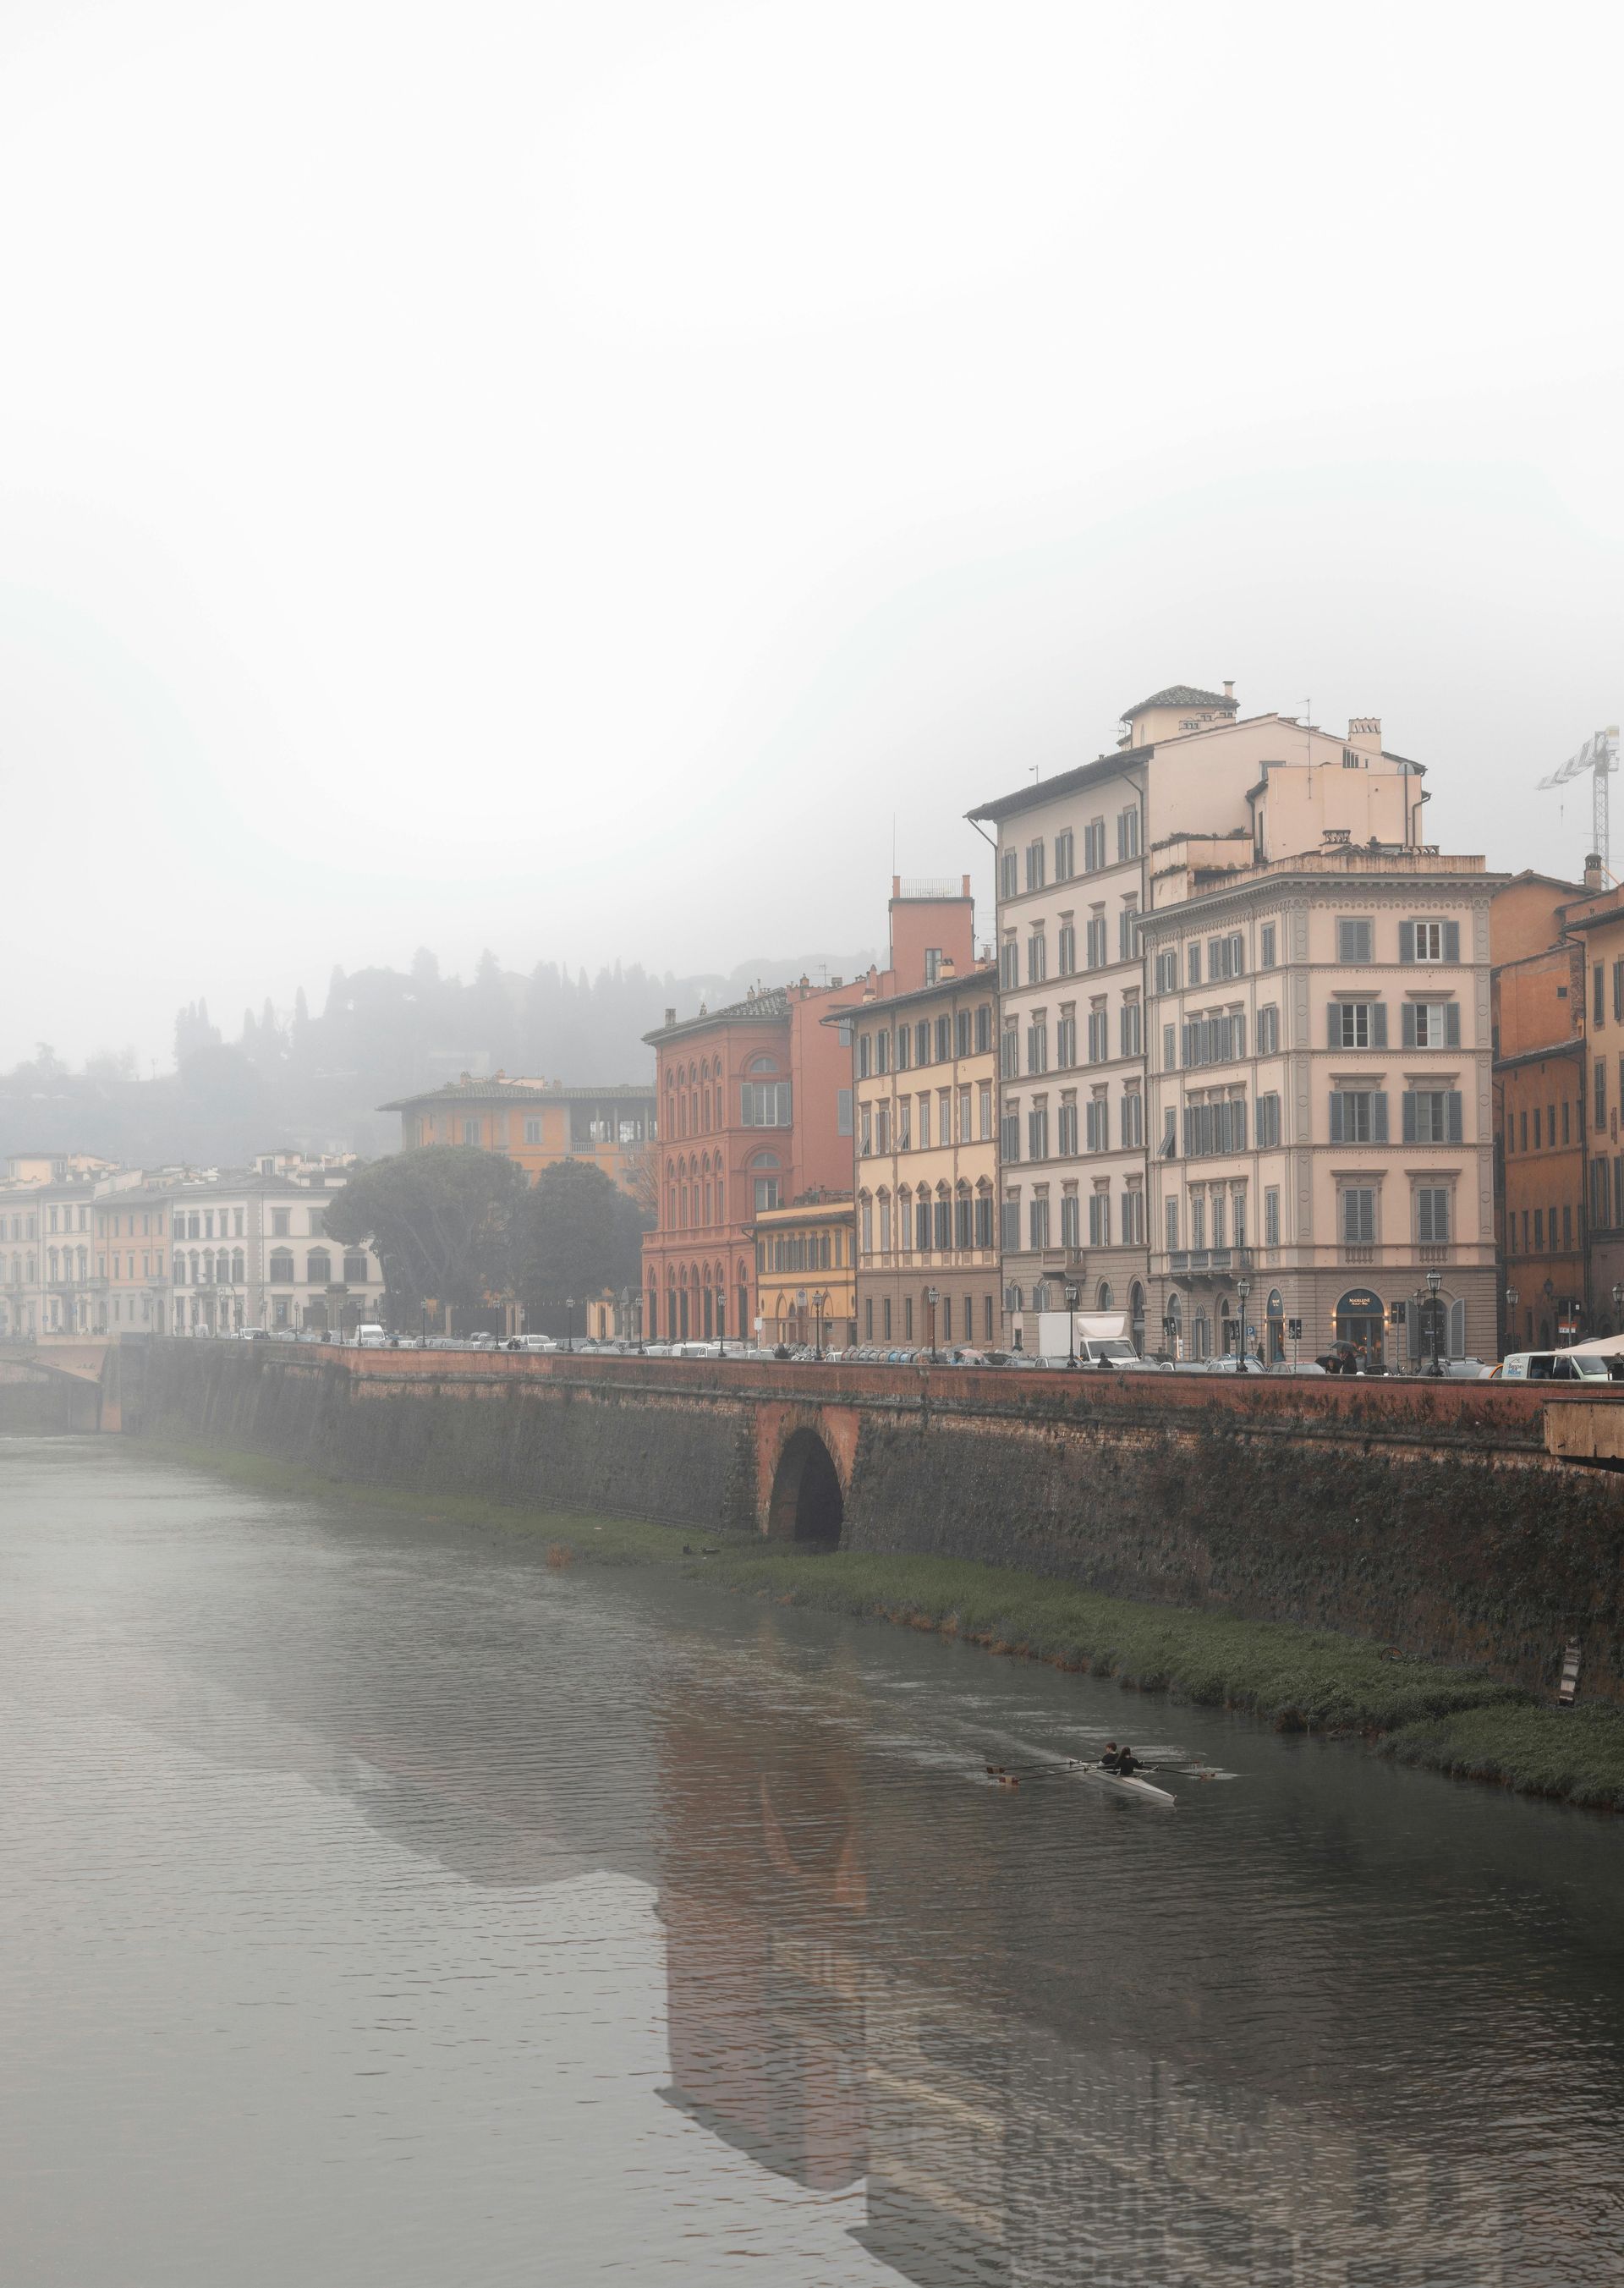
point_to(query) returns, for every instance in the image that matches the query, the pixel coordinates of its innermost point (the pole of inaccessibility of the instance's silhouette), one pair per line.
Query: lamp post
(930, 1298)
(1435, 1280)
(570, 1323)
(1243, 1287)
(819, 1301)
(1618, 1297)
(1072, 1326)
(1511, 1315)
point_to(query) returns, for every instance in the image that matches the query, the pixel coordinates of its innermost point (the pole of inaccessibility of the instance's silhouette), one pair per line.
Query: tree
(575, 1234)
(441, 1219)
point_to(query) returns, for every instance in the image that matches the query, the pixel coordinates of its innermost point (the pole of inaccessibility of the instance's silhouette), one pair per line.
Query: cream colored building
(1193, 785)
(924, 1089)
(1320, 1101)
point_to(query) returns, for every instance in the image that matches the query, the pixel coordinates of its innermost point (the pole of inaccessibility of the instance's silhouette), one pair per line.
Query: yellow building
(806, 1271)
(537, 1123)
(925, 1084)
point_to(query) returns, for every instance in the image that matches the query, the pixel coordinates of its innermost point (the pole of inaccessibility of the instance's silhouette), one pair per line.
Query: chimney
(965, 879)
(1593, 871)
(946, 968)
(1229, 687)
(671, 1016)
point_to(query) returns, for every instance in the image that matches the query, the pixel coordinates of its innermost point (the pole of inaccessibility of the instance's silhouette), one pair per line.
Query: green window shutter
(1406, 940)
(1378, 1117)
(1338, 1125)
(1334, 1026)
(1452, 1023)
(1378, 1024)
(1452, 941)
(1408, 1026)
(1451, 1117)
(1408, 1101)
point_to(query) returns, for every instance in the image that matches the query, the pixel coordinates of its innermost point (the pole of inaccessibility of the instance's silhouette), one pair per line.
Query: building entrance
(1361, 1319)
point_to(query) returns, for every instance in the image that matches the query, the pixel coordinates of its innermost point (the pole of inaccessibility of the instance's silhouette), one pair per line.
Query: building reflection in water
(817, 2026)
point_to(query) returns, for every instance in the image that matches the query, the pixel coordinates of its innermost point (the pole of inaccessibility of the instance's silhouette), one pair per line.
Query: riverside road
(382, 1907)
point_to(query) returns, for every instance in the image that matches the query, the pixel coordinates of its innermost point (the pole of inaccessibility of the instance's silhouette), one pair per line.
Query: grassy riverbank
(1453, 1721)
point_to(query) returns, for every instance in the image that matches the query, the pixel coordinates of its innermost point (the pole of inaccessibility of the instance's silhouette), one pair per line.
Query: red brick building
(755, 1110)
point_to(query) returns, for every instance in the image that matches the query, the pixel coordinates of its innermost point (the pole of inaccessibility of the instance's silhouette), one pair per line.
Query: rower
(1110, 1760)
(1127, 1764)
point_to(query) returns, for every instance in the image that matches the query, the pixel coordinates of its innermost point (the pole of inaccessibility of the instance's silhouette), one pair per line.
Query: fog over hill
(283, 1076)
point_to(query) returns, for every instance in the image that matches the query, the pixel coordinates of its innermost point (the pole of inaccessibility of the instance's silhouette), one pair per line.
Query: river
(381, 1907)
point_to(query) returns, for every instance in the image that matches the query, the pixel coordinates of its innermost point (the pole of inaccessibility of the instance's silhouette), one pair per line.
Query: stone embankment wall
(37, 1400)
(1429, 1516)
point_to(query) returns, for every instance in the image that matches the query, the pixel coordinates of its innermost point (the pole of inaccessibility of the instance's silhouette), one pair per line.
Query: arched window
(1105, 1300)
(281, 1271)
(761, 1065)
(1274, 1314)
(1136, 1315)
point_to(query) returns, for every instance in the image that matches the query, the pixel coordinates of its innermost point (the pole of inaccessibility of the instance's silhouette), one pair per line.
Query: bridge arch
(807, 1504)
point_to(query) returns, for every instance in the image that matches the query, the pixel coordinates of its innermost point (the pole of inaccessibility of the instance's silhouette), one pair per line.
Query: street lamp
(819, 1301)
(1435, 1280)
(1072, 1318)
(1511, 1314)
(1243, 1287)
(570, 1323)
(930, 1298)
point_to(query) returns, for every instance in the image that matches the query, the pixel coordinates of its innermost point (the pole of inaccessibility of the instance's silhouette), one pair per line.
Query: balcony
(1209, 1262)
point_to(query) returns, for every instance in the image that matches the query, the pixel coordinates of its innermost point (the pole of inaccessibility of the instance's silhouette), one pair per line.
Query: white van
(1555, 1366)
(372, 1339)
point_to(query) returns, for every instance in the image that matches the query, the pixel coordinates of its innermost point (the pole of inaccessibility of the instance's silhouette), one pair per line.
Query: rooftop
(499, 1086)
(1182, 695)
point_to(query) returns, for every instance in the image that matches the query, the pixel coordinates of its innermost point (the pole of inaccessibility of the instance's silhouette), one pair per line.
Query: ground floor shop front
(1393, 1322)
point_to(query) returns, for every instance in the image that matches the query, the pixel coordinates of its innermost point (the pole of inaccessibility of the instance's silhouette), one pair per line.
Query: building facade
(538, 1123)
(756, 1112)
(133, 1258)
(806, 1271)
(252, 1251)
(924, 1076)
(1321, 1105)
(1193, 789)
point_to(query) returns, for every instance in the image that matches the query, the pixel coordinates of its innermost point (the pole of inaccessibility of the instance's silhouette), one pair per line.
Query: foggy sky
(579, 479)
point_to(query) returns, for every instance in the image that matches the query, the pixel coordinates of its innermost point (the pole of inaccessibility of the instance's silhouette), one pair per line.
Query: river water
(380, 1907)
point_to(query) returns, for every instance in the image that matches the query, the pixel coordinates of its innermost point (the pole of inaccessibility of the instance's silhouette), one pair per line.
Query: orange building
(756, 1113)
(537, 1123)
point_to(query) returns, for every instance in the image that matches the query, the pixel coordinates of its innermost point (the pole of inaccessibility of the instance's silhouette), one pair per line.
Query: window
(1065, 951)
(1359, 1216)
(1358, 1024)
(1065, 1039)
(1038, 1132)
(1132, 1120)
(1038, 1221)
(1098, 1033)
(1172, 1215)
(1096, 941)
(1266, 957)
(1063, 866)
(279, 1227)
(1218, 1125)
(1127, 834)
(1601, 1092)
(1170, 1048)
(1431, 1024)
(470, 1131)
(1432, 1116)
(961, 1032)
(1429, 941)
(1598, 997)
(1037, 958)
(1272, 1215)
(1168, 971)
(1133, 1218)
(904, 1124)
(882, 1053)
(985, 1111)
(1099, 1215)
(1094, 845)
(1037, 1045)
(1214, 1040)
(924, 1123)
(356, 1272)
(866, 1061)
(1009, 966)
(865, 1130)
(766, 1103)
(983, 1219)
(1192, 965)
(1359, 1116)
(280, 1270)
(904, 1047)
(942, 1211)
(1007, 877)
(983, 1027)
(1009, 1051)
(1097, 1123)
(1010, 1222)
(532, 1131)
(767, 1192)
(1431, 1215)
(1224, 957)
(842, 1112)
(1070, 1221)
(1354, 939)
(1034, 865)
(1133, 1026)
(1066, 1129)
(1009, 1133)
(1127, 931)
(1269, 1032)
(1268, 1121)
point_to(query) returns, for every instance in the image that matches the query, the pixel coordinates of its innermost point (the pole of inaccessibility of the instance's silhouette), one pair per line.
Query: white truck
(1093, 1338)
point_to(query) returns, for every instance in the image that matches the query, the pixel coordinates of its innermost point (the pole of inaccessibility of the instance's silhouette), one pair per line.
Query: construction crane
(1599, 755)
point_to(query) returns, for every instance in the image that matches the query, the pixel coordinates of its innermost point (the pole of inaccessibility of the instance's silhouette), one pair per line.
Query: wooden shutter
(1378, 1117)
(1378, 1024)
(1337, 1119)
(1451, 1117)
(1333, 1030)
(1408, 1102)
(1408, 1026)
(1452, 941)
(1406, 940)
(1452, 1023)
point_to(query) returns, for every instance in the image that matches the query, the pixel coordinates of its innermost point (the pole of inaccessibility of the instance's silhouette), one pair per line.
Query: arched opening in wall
(807, 1504)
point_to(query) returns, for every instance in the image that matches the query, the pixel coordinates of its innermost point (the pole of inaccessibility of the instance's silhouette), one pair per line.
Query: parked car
(1556, 1366)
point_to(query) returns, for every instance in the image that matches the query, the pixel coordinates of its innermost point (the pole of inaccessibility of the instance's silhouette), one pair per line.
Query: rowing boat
(1115, 1782)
